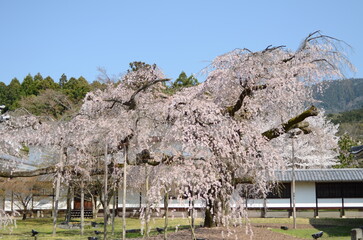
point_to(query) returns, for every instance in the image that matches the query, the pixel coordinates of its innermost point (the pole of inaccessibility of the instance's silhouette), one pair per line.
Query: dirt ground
(259, 232)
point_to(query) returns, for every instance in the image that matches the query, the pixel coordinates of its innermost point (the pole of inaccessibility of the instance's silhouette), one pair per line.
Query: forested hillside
(340, 96)
(350, 123)
(57, 99)
(44, 96)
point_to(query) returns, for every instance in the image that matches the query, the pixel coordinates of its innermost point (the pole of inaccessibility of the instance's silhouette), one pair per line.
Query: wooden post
(246, 198)
(342, 211)
(140, 200)
(290, 207)
(193, 217)
(293, 184)
(4, 202)
(82, 206)
(147, 210)
(124, 193)
(114, 210)
(191, 207)
(12, 200)
(32, 204)
(316, 212)
(192, 224)
(53, 201)
(166, 208)
(57, 192)
(105, 197)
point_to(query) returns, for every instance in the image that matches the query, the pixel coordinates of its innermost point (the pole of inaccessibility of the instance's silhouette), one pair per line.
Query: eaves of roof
(322, 175)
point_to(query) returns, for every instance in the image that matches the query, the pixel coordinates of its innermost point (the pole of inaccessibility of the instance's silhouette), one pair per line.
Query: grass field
(333, 229)
(44, 227)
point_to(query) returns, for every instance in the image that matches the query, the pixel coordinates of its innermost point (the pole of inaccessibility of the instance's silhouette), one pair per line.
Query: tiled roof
(322, 175)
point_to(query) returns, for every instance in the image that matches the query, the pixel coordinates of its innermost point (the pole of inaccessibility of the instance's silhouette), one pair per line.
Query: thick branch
(131, 102)
(270, 48)
(246, 92)
(292, 123)
(245, 180)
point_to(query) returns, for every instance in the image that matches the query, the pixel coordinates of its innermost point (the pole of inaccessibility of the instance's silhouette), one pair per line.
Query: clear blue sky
(77, 36)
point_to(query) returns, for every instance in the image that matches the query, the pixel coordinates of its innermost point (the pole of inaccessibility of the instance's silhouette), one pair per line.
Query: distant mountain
(350, 122)
(340, 96)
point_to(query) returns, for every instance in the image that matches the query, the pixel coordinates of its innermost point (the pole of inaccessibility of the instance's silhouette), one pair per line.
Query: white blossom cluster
(204, 138)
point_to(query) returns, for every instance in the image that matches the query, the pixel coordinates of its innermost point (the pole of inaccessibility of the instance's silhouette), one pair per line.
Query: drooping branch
(324, 60)
(144, 156)
(231, 110)
(131, 104)
(31, 173)
(46, 171)
(291, 124)
(53, 169)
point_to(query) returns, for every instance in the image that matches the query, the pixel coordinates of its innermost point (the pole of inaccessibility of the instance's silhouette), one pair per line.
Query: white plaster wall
(271, 203)
(278, 203)
(329, 202)
(132, 199)
(353, 202)
(183, 203)
(337, 202)
(39, 203)
(255, 203)
(305, 197)
(43, 203)
(305, 194)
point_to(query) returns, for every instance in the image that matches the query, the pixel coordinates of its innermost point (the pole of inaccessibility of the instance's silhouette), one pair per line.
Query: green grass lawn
(44, 227)
(333, 228)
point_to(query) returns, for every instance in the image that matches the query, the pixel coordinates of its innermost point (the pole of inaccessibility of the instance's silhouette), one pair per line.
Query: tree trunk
(209, 218)
(24, 213)
(69, 204)
(95, 206)
(264, 208)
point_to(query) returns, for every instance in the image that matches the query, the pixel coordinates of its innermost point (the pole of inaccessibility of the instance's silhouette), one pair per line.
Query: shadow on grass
(69, 233)
(336, 227)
